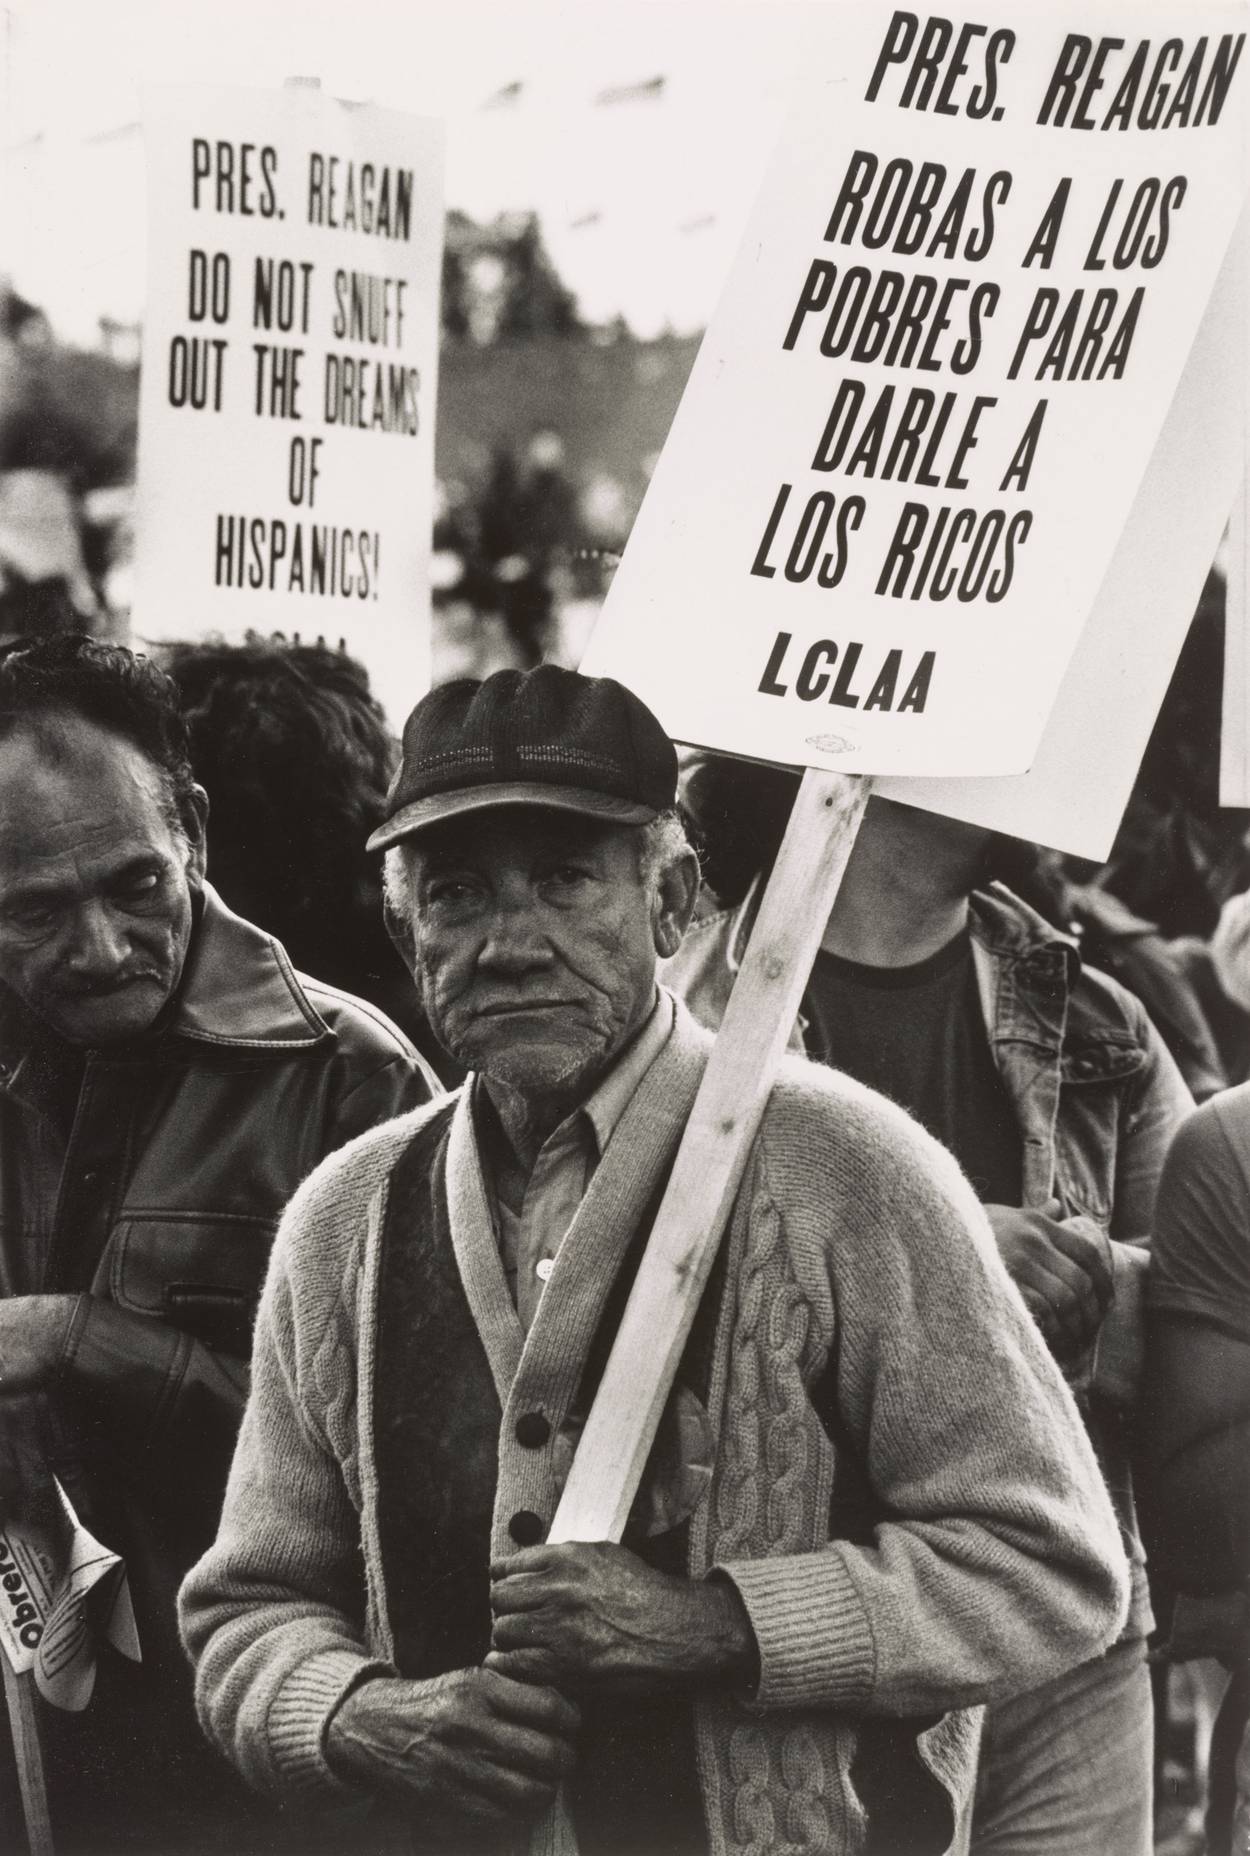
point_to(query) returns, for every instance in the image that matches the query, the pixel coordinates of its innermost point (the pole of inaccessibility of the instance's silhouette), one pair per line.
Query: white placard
(1074, 795)
(289, 372)
(1235, 702)
(919, 419)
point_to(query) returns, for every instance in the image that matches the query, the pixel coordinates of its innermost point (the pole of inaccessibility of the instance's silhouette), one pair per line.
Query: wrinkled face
(95, 883)
(535, 944)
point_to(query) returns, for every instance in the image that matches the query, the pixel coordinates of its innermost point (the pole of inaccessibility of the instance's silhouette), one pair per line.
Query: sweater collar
(642, 1143)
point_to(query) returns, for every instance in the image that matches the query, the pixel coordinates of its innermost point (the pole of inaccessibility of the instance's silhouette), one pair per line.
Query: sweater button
(526, 1528)
(532, 1430)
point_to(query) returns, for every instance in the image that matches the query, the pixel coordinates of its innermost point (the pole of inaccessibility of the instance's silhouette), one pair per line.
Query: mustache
(523, 1003)
(100, 989)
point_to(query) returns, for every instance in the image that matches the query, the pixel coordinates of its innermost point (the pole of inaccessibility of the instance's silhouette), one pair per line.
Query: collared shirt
(530, 1232)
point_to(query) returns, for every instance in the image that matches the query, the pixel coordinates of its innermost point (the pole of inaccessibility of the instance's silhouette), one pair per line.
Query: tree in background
(75, 412)
(499, 283)
(512, 536)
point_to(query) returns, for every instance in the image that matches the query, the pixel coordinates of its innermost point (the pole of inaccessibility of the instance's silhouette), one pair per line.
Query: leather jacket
(151, 1176)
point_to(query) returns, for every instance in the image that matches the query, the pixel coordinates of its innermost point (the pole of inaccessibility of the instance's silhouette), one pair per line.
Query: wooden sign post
(620, 1430)
(621, 1427)
(19, 1696)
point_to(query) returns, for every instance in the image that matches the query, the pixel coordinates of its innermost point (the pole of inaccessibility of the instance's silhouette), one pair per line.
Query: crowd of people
(340, 1083)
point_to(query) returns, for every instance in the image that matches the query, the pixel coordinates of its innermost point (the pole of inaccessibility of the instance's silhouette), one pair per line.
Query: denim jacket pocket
(1094, 1080)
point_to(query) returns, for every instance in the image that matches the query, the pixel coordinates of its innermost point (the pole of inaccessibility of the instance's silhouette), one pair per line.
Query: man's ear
(193, 813)
(677, 891)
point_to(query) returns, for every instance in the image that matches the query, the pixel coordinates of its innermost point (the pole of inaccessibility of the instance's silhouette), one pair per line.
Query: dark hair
(736, 811)
(31, 609)
(71, 674)
(295, 755)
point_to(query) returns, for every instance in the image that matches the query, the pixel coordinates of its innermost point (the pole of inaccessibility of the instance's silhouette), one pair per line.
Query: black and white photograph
(624, 928)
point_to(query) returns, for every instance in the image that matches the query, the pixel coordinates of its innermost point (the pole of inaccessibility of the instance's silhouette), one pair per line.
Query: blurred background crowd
(548, 428)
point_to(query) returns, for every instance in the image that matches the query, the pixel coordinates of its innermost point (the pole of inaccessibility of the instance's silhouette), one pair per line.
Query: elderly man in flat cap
(871, 1505)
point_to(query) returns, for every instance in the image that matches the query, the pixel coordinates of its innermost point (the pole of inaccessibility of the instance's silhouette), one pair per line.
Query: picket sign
(726, 1115)
(1235, 710)
(1235, 707)
(19, 1695)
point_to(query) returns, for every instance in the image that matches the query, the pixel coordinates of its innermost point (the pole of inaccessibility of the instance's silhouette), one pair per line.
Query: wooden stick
(1235, 703)
(724, 1119)
(707, 1172)
(623, 1420)
(19, 1695)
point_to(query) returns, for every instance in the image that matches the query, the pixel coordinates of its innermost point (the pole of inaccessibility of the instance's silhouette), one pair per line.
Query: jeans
(1066, 1770)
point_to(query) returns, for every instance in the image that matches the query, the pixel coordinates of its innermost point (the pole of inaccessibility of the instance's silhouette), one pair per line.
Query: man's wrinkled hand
(469, 1749)
(1062, 1268)
(597, 1617)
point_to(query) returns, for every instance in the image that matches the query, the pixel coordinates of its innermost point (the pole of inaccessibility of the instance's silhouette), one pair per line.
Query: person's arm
(996, 1562)
(135, 1391)
(596, 1615)
(1194, 1423)
(470, 1750)
(1195, 1428)
(1155, 1109)
(273, 1615)
(1063, 1269)
(140, 1390)
(287, 1685)
(1083, 1284)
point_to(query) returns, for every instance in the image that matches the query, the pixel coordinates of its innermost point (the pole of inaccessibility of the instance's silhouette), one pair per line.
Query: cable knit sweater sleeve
(274, 1615)
(996, 1562)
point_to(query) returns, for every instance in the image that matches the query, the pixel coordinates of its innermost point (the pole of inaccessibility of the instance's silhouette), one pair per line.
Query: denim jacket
(1097, 1096)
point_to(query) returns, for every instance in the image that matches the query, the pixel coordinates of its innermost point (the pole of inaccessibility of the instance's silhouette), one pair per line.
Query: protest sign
(908, 541)
(1235, 703)
(924, 406)
(1074, 794)
(61, 1593)
(763, 1005)
(287, 396)
(1235, 707)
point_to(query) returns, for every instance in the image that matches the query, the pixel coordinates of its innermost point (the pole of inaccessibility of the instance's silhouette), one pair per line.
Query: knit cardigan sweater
(979, 1557)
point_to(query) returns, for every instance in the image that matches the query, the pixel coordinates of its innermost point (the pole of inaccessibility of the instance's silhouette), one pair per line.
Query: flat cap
(545, 737)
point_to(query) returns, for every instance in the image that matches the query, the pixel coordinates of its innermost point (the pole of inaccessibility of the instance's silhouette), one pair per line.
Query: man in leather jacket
(166, 1082)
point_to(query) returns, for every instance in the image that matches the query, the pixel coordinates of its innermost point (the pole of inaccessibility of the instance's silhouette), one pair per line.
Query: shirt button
(532, 1430)
(526, 1528)
(544, 1267)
